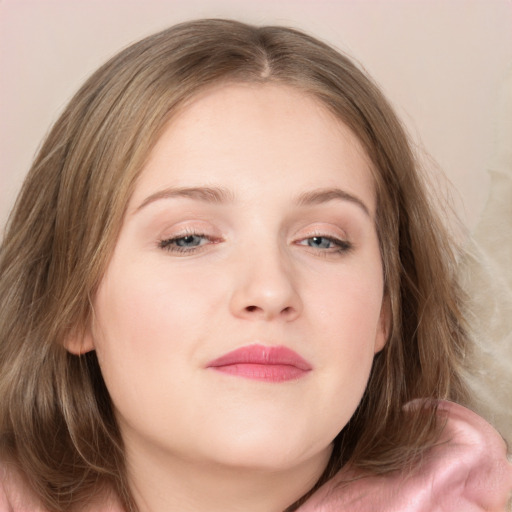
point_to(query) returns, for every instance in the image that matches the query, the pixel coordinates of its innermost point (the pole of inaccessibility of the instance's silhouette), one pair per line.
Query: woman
(224, 286)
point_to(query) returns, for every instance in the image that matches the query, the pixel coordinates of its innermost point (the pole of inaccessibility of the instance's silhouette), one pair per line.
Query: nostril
(252, 309)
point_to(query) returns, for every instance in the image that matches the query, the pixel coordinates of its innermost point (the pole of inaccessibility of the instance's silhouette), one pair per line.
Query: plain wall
(441, 62)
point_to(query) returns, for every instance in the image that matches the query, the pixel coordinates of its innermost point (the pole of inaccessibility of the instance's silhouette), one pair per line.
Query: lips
(259, 362)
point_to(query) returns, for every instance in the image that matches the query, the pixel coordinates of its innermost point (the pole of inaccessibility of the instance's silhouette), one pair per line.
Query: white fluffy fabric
(486, 274)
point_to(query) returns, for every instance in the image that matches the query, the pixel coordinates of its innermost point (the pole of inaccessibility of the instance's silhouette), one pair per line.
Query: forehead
(245, 136)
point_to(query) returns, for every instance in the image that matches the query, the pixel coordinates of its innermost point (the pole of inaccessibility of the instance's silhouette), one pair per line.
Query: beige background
(441, 62)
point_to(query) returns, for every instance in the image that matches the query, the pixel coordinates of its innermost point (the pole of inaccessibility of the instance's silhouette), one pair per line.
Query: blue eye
(326, 243)
(320, 242)
(189, 241)
(185, 243)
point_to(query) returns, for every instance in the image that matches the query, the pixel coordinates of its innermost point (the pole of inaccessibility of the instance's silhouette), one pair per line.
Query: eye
(326, 243)
(186, 243)
(320, 242)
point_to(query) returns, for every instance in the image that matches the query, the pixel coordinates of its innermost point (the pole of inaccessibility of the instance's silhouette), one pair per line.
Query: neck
(170, 485)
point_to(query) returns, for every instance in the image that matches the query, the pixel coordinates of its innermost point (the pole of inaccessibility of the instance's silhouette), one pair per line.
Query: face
(241, 310)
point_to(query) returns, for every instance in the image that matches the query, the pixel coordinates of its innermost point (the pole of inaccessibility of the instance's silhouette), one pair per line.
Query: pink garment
(467, 471)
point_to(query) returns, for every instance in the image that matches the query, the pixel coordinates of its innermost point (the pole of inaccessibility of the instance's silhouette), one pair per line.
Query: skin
(270, 259)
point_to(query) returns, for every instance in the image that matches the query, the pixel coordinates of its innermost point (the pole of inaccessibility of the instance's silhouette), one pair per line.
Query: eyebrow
(206, 194)
(325, 195)
(221, 195)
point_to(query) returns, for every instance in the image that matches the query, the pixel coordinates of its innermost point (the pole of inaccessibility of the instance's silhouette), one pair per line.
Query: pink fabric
(467, 472)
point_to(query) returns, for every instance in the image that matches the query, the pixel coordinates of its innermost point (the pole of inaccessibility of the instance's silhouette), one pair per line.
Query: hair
(56, 417)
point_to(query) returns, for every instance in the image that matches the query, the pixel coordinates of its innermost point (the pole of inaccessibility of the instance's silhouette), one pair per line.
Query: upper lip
(261, 354)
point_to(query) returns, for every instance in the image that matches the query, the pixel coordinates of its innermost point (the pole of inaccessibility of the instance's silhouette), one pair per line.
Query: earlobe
(384, 327)
(79, 342)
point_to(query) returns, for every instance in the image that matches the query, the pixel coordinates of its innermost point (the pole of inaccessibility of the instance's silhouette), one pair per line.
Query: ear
(384, 325)
(79, 341)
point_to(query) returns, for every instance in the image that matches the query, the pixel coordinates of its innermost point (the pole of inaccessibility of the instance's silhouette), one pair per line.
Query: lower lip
(263, 372)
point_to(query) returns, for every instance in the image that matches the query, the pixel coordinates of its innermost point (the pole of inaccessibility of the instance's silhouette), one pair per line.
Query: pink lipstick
(259, 362)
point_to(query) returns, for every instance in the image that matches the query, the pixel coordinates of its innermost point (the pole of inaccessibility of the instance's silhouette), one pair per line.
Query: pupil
(189, 240)
(320, 241)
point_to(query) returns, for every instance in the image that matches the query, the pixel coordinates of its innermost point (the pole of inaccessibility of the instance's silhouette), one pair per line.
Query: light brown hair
(56, 419)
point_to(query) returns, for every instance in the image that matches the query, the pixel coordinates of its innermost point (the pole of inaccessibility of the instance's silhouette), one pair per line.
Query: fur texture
(486, 274)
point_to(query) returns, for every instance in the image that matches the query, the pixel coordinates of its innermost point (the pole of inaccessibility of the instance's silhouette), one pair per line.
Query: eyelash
(170, 244)
(340, 246)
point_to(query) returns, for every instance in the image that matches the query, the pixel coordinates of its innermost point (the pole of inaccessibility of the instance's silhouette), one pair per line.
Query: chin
(270, 449)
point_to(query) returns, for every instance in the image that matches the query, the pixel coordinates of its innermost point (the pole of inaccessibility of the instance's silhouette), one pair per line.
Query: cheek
(139, 304)
(348, 321)
(143, 332)
(148, 320)
(133, 326)
(349, 303)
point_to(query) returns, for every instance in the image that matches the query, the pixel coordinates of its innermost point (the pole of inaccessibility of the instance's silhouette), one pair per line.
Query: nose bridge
(265, 283)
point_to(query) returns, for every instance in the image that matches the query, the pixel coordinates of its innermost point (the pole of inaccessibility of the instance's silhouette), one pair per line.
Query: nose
(265, 288)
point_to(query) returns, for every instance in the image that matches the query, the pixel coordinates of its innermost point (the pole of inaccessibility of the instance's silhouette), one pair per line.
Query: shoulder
(466, 471)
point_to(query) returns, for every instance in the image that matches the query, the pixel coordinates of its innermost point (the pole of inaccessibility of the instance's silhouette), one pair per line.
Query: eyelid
(187, 227)
(325, 229)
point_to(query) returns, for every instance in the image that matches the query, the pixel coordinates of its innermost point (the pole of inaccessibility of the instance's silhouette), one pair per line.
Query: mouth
(259, 362)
